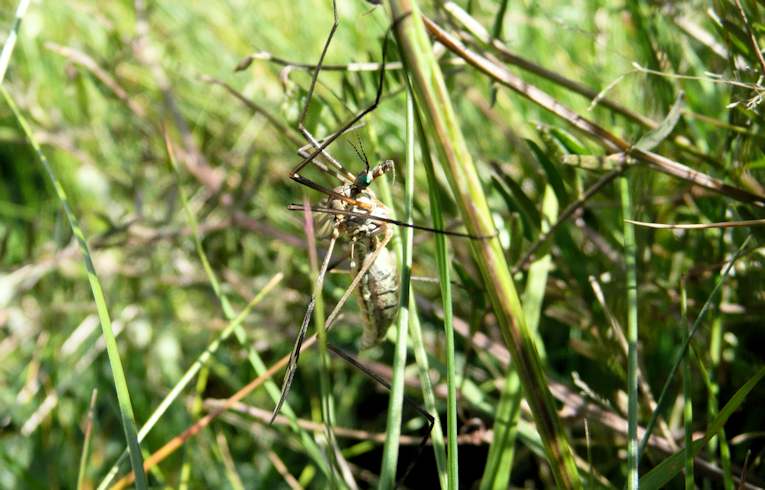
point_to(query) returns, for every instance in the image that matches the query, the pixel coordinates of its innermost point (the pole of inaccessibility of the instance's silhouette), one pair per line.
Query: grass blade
(661, 474)
(10, 42)
(118, 374)
(445, 283)
(395, 405)
(633, 455)
(85, 456)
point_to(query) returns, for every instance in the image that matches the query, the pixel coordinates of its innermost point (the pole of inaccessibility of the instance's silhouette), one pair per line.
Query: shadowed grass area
(536, 129)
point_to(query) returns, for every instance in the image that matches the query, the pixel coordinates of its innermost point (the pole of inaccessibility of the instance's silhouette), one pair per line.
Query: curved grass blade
(681, 352)
(661, 474)
(118, 374)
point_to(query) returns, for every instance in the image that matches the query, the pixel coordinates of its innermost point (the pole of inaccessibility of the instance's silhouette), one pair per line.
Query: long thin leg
(292, 365)
(309, 98)
(352, 360)
(364, 268)
(289, 375)
(328, 141)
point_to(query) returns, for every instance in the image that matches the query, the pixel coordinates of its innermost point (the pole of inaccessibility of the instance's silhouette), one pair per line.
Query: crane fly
(351, 211)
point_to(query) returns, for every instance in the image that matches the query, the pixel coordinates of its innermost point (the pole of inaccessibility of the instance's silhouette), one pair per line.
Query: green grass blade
(428, 395)
(632, 336)
(10, 42)
(662, 473)
(395, 405)
(85, 456)
(684, 347)
(445, 283)
(687, 400)
(499, 462)
(118, 374)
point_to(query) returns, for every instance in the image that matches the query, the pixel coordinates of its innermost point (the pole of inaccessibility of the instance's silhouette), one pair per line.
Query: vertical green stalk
(327, 410)
(118, 374)
(445, 282)
(442, 128)
(715, 353)
(85, 455)
(428, 396)
(687, 401)
(496, 474)
(417, 343)
(632, 334)
(395, 405)
(499, 462)
(713, 386)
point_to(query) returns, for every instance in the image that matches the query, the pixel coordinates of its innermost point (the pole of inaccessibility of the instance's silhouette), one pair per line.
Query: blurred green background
(99, 82)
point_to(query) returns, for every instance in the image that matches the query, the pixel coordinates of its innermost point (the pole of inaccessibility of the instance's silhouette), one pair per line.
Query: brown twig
(752, 38)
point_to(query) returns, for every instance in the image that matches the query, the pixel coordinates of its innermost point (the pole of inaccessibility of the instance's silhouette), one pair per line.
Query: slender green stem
(687, 400)
(445, 282)
(632, 336)
(429, 397)
(85, 455)
(327, 404)
(10, 41)
(395, 405)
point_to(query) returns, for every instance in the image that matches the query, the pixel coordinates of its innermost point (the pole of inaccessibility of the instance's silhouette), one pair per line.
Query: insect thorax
(354, 226)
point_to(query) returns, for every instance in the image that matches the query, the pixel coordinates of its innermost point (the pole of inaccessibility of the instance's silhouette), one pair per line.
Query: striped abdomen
(378, 294)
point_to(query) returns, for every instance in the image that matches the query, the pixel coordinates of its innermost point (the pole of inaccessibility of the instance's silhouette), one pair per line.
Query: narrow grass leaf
(10, 41)
(118, 374)
(445, 283)
(681, 352)
(662, 473)
(85, 455)
(630, 252)
(395, 404)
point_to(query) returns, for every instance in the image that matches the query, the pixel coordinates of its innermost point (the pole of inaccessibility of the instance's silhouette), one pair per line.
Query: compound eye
(365, 179)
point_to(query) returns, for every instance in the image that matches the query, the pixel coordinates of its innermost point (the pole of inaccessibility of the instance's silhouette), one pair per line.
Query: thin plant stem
(327, 404)
(445, 283)
(632, 336)
(395, 405)
(687, 402)
(85, 456)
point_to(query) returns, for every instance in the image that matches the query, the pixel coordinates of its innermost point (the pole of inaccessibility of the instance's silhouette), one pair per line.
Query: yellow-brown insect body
(378, 293)
(378, 290)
